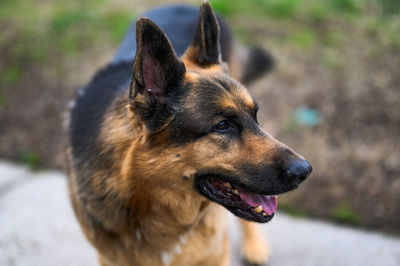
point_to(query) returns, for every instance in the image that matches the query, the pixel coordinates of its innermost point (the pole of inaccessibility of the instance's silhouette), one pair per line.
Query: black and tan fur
(138, 153)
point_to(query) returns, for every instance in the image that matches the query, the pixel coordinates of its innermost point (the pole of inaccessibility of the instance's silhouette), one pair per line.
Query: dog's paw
(255, 253)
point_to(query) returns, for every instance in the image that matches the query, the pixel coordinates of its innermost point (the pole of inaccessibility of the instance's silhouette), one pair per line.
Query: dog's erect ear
(205, 47)
(157, 70)
(158, 74)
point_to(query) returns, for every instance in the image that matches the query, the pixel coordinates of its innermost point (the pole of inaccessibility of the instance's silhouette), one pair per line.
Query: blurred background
(334, 95)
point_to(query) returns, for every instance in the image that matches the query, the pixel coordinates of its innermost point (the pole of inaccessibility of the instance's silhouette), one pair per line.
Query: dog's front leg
(255, 250)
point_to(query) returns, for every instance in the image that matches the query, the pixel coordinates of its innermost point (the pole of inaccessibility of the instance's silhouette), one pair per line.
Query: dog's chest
(203, 245)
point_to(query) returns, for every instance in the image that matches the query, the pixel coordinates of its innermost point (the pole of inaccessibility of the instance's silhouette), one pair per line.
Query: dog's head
(202, 129)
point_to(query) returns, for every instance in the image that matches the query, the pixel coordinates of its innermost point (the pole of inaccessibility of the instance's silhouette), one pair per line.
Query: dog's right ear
(157, 73)
(205, 48)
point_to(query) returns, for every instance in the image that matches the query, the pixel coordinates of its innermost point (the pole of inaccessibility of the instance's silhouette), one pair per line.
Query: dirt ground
(350, 90)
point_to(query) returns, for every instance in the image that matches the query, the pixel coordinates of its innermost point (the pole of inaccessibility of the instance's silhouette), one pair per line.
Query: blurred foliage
(303, 38)
(390, 6)
(290, 209)
(2, 100)
(30, 159)
(344, 214)
(36, 31)
(312, 9)
(11, 74)
(332, 59)
(307, 18)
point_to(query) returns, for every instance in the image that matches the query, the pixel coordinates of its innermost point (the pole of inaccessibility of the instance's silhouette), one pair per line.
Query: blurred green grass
(292, 210)
(345, 215)
(35, 31)
(283, 9)
(306, 20)
(38, 31)
(306, 9)
(30, 159)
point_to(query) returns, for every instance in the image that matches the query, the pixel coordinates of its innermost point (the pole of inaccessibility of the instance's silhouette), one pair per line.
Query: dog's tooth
(258, 209)
(264, 214)
(228, 185)
(235, 191)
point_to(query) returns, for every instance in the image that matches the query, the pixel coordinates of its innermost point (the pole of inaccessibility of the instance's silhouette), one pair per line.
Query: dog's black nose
(297, 171)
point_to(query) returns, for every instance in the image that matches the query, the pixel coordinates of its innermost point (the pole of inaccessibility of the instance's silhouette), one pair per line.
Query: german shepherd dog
(155, 157)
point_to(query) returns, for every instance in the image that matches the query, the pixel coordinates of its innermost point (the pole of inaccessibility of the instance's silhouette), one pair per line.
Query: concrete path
(38, 227)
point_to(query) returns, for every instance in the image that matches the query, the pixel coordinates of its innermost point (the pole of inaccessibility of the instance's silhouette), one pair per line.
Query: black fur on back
(91, 104)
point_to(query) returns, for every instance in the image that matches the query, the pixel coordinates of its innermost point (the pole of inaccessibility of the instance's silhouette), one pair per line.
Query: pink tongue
(268, 203)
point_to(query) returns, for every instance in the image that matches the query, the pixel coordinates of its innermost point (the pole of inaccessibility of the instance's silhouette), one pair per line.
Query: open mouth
(244, 204)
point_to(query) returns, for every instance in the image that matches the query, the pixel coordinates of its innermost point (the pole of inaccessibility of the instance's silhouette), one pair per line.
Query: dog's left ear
(157, 76)
(205, 47)
(156, 67)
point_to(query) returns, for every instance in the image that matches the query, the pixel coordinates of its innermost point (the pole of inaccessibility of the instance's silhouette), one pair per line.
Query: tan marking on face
(227, 167)
(253, 150)
(245, 97)
(256, 149)
(207, 154)
(227, 103)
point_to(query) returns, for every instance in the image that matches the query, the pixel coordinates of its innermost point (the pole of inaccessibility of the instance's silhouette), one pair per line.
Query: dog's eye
(222, 127)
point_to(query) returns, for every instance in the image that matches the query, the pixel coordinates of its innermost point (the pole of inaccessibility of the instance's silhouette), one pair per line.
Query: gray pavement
(38, 227)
